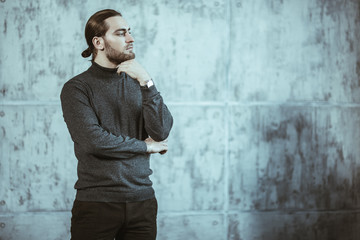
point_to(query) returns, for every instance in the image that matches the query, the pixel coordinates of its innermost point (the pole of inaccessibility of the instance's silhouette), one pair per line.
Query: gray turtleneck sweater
(109, 116)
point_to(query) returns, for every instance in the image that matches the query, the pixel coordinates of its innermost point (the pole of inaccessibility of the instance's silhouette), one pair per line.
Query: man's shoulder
(78, 80)
(76, 83)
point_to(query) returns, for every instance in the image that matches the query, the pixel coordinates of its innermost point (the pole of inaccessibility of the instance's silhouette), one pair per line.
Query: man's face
(118, 41)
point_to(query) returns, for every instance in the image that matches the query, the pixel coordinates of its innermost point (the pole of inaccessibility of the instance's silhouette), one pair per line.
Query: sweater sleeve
(85, 129)
(157, 117)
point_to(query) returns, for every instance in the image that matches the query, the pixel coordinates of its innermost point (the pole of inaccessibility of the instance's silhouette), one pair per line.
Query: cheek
(120, 45)
(117, 44)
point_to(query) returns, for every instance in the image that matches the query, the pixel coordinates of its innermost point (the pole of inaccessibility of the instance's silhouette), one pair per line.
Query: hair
(97, 27)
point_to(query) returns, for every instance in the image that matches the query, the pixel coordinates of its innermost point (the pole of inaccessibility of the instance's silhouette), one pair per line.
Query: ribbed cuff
(143, 146)
(148, 92)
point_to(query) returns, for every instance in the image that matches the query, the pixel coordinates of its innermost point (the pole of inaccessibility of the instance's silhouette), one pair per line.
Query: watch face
(149, 83)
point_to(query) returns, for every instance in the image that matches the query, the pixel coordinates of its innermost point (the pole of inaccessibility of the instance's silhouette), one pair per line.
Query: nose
(129, 38)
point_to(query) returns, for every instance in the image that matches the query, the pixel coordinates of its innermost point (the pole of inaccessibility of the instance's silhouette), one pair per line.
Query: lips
(130, 47)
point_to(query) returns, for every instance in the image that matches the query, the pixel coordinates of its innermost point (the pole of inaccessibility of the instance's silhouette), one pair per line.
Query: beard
(116, 56)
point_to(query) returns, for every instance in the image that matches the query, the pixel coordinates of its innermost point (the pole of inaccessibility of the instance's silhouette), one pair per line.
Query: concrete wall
(266, 100)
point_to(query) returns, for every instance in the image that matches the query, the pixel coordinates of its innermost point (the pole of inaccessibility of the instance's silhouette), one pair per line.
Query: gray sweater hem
(104, 196)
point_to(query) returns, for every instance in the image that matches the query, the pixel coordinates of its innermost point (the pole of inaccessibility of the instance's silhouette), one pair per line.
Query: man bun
(86, 53)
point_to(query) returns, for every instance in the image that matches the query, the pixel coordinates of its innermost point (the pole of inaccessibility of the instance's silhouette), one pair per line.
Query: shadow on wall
(307, 178)
(310, 163)
(294, 226)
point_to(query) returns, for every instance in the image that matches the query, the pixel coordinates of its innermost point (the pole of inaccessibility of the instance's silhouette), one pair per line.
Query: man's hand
(134, 70)
(156, 147)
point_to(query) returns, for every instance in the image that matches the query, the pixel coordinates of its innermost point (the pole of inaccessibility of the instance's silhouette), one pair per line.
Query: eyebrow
(122, 29)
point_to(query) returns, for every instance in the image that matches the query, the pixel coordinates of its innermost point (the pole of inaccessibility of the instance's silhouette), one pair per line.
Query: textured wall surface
(266, 100)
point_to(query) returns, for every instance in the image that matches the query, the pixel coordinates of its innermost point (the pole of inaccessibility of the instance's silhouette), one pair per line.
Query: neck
(103, 61)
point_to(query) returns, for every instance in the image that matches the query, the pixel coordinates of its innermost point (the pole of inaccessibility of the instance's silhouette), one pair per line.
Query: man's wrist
(148, 147)
(143, 79)
(143, 83)
(147, 83)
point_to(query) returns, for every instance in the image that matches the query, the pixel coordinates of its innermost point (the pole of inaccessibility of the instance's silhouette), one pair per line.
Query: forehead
(116, 22)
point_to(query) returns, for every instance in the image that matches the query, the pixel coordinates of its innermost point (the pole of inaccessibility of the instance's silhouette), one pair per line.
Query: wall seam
(223, 103)
(226, 122)
(209, 212)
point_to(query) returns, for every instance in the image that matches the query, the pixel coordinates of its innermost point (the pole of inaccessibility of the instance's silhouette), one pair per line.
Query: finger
(129, 62)
(149, 140)
(122, 69)
(164, 149)
(163, 152)
(123, 64)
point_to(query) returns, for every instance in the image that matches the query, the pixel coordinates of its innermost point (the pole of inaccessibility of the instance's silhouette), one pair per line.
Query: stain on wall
(310, 158)
(266, 101)
(309, 225)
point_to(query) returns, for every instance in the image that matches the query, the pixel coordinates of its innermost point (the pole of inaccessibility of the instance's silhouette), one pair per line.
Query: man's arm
(86, 131)
(157, 117)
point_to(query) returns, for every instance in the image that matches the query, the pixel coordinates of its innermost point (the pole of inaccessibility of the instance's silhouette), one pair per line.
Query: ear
(98, 43)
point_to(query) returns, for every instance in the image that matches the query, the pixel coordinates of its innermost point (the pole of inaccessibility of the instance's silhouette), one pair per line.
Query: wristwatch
(149, 83)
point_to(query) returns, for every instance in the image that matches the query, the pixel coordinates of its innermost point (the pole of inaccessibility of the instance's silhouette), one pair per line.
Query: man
(116, 118)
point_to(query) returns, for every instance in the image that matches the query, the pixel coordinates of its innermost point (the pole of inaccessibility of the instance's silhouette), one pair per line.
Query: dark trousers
(109, 221)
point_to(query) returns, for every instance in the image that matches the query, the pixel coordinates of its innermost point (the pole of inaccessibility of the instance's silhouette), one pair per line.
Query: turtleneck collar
(103, 70)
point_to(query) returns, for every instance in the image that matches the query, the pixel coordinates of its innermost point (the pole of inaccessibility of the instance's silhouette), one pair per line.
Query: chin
(122, 57)
(131, 56)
